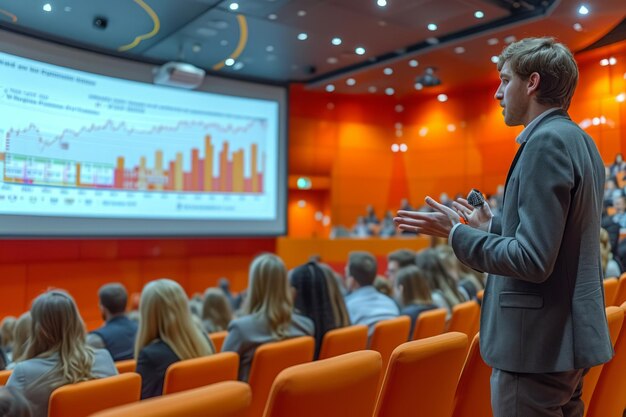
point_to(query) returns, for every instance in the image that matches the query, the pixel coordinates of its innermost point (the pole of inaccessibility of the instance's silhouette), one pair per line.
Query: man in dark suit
(542, 321)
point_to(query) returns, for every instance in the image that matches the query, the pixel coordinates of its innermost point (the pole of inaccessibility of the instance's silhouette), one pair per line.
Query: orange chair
(345, 385)
(85, 398)
(271, 358)
(430, 323)
(198, 372)
(610, 291)
(4, 377)
(473, 392)
(609, 397)
(422, 376)
(620, 296)
(128, 365)
(615, 318)
(464, 318)
(480, 295)
(218, 339)
(389, 334)
(224, 399)
(343, 340)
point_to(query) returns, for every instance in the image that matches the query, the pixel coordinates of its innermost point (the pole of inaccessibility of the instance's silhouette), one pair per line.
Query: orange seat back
(344, 385)
(473, 392)
(224, 399)
(85, 398)
(218, 339)
(620, 296)
(609, 397)
(610, 291)
(198, 372)
(343, 340)
(271, 358)
(430, 323)
(464, 318)
(4, 376)
(422, 376)
(128, 365)
(480, 294)
(388, 335)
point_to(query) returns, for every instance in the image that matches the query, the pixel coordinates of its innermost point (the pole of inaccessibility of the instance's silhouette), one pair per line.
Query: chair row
(615, 290)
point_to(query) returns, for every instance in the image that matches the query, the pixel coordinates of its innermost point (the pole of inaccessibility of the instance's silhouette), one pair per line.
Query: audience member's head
(361, 269)
(21, 336)
(316, 297)
(383, 285)
(57, 328)
(429, 262)
(216, 310)
(399, 259)
(6, 332)
(619, 203)
(411, 287)
(113, 298)
(269, 294)
(164, 314)
(13, 403)
(605, 249)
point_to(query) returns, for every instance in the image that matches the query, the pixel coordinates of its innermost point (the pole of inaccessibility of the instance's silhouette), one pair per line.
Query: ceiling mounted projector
(179, 74)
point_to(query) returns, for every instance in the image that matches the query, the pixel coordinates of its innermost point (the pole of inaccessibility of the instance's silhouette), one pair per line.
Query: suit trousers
(556, 394)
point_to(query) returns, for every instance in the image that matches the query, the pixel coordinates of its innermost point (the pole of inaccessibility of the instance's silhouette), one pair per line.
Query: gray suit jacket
(543, 308)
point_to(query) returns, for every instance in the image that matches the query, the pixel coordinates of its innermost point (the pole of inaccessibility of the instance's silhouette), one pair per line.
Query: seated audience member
(370, 217)
(387, 227)
(268, 310)
(119, 332)
(365, 304)
(6, 335)
(216, 311)
(405, 205)
(361, 228)
(13, 403)
(611, 191)
(610, 268)
(413, 293)
(467, 283)
(618, 165)
(337, 280)
(383, 286)
(166, 334)
(398, 259)
(21, 338)
(444, 289)
(57, 354)
(317, 296)
(619, 203)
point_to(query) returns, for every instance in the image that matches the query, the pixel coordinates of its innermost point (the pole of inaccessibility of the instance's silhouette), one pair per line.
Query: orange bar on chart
(78, 174)
(178, 173)
(195, 170)
(224, 167)
(158, 170)
(208, 164)
(119, 172)
(253, 169)
(238, 171)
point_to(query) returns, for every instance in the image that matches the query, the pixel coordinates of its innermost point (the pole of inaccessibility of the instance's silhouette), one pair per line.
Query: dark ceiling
(261, 36)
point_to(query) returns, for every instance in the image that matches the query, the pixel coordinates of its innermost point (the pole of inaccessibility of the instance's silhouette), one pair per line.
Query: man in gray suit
(543, 321)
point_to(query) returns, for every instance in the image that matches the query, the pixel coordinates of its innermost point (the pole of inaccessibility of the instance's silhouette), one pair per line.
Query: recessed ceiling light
(381, 3)
(359, 50)
(272, 16)
(478, 14)
(390, 91)
(332, 60)
(47, 7)
(336, 41)
(419, 86)
(229, 62)
(238, 65)
(269, 48)
(621, 97)
(510, 39)
(233, 6)
(399, 133)
(432, 27)
(301, 13)
(583, 10)
(451, 127)
(495, 59)
(395, 147)
(442, 98)
(224, 42)
(350, 81)
(459, 50)
(403, 147)
(302, 36)
(577, 27)
(330, 88)
(612, 61)
(388, 71)
(371, 89)
(413, 63)
(492, 41)
(604, 62)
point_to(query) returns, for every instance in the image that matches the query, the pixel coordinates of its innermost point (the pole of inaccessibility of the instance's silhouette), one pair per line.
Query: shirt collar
(523, 136)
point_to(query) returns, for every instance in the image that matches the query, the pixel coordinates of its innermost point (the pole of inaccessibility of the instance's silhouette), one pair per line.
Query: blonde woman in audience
(610, 268)
(57, 354)
(216, 311)
(6, 335)
(468, 283)
(21, 338)
(443, 287)
(315, 296)
(413, 293)
(166, 334)
(268, 310)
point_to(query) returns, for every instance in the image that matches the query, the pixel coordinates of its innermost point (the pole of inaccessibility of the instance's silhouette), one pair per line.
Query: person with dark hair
(13, 403)
(365, 304)
(313, 297)
(412, 293)
(398, 259)
(119, 332)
